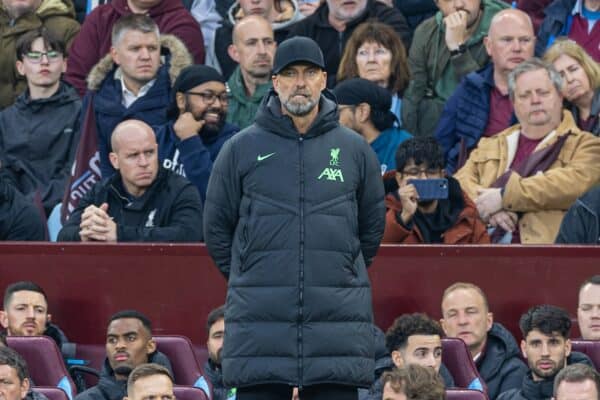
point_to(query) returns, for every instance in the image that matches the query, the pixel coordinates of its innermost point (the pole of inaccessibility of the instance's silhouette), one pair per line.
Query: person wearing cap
(294, 215)
(189, 143)
(364, 107)
(410, 220)
(141, 202)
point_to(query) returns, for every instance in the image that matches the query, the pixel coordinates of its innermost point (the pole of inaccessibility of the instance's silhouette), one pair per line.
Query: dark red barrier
(177, 285)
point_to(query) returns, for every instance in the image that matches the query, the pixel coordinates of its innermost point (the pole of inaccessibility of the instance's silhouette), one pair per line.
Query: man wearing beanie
(294, 215)
(190, 141)
(365, 108)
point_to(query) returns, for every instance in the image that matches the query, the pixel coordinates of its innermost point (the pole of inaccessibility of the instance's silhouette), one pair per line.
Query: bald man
(480, 105)
(141, 202)
(253, 49)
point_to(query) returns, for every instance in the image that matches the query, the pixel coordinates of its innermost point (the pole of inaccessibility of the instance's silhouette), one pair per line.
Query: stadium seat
(456, 357)
(51, 393)
(591, 348)
(186, 368)
(465, 394)
(189, 393)
(44, 361)
(201, 353)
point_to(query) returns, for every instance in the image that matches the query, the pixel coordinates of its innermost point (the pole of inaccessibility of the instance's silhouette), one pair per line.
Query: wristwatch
(459, 50)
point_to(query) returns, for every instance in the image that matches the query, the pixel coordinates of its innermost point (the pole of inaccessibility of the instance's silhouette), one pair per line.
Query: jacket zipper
(301, 263)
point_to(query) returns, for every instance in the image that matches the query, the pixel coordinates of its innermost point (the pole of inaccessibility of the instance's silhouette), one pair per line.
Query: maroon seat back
(201, 353)
(186, 367)
(189, 393)
(465, 394)
(456, 357)
(591, 348)
(44, 362)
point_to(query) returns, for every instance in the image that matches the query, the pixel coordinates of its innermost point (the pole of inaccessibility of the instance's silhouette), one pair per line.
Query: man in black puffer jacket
(294, 215)
(129, 343)
(547, 346)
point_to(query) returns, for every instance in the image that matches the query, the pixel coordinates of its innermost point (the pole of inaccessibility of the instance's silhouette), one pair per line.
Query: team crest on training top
(333, 174)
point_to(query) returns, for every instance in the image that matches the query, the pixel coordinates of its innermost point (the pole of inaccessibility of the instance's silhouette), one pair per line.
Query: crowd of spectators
(517, 136)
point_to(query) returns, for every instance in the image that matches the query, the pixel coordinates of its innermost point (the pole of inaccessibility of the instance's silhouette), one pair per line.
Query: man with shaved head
(253, 49)
(483, 94)
(141, 202)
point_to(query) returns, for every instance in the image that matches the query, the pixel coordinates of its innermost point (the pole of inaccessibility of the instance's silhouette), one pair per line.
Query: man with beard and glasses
(547, 348)
(189, 143)
(129, 343)
(253, 49)
(294, 215)
(453, 220)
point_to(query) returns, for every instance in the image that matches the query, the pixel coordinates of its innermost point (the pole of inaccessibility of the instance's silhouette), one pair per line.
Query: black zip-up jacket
(581, 224)
(501, 367)
(169, 211)
(214, 374)
(109, 388)
(541, 390)
(293, 220)
(333, 43)
(19, 219)
(38, 139)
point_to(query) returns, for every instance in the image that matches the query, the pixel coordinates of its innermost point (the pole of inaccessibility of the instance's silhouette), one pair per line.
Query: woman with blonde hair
(581, 86)
(375, 52)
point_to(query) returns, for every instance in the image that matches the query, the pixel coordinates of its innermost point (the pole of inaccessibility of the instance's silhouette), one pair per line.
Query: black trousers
(284, 392)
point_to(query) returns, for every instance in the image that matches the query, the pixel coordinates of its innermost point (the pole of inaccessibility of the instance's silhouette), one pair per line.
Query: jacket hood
(163, 7)
(56, 7)
(64, 95)
(289, 15)
(490, 8)
(270, 118)
(500, 346)
(177, 57)
(53, 331)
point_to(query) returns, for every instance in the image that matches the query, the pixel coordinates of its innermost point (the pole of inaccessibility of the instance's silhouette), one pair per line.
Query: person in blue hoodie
(364, 107)
(196, 130)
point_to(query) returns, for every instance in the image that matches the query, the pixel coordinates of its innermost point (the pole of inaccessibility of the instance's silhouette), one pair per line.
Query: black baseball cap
(297, 50)
(354, 91)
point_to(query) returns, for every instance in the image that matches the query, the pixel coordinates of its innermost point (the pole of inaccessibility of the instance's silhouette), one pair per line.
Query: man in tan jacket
(525, 178)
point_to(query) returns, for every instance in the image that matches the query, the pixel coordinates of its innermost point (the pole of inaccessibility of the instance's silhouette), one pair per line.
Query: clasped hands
(97, 225)
(489, 206)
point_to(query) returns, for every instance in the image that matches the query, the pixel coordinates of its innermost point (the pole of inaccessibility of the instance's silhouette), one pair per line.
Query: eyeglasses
(36, 56)
(429, 172)
(210, 97)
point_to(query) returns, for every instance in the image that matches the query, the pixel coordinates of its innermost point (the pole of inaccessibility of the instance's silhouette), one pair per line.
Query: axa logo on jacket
(329, 173)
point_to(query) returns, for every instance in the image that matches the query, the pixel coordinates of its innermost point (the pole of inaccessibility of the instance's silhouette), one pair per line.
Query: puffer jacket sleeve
(579, 226)
(446, 130)
(221, 211)
(371, 207)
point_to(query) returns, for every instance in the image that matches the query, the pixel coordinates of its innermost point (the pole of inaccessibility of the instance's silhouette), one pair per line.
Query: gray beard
(300, 110)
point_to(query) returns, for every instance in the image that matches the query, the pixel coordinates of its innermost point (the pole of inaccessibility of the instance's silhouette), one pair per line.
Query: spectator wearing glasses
(189, 143)
(410, 220)
(39, 133)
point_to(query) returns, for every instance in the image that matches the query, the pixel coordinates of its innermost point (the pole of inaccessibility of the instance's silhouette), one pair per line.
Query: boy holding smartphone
(426, 208)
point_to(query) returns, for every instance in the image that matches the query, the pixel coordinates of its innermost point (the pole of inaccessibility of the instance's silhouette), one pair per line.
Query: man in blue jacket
(480, 105)
(294, 215)
(189, 143)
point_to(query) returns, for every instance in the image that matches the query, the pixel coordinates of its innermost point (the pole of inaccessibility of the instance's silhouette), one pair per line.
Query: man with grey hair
(334, 21)
(294, 215)
(131, 82)
(577, 381)
(525, 178)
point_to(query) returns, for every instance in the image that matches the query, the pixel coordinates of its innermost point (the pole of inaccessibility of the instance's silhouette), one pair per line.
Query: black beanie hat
(354, 91)
(190, 77)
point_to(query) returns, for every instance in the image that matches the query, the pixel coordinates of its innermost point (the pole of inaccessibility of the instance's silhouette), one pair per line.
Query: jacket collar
(115, 185)
(178, 57)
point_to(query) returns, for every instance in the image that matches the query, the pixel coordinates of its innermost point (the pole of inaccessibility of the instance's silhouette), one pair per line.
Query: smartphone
(431, 189)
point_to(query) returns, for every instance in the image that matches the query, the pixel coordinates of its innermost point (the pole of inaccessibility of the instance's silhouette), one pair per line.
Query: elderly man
(141, 202)
(295, 214)
(18, 17)
(525, 178)
(480, 106)
(447, 47)
(334, 21)
(253, 49)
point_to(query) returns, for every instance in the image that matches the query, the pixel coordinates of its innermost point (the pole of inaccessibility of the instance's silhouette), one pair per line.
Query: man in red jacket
(410, 220)
(94, 39)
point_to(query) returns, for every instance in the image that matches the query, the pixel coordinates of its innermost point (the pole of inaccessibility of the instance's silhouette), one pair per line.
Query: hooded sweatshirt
(58, 16)
(109, 388)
